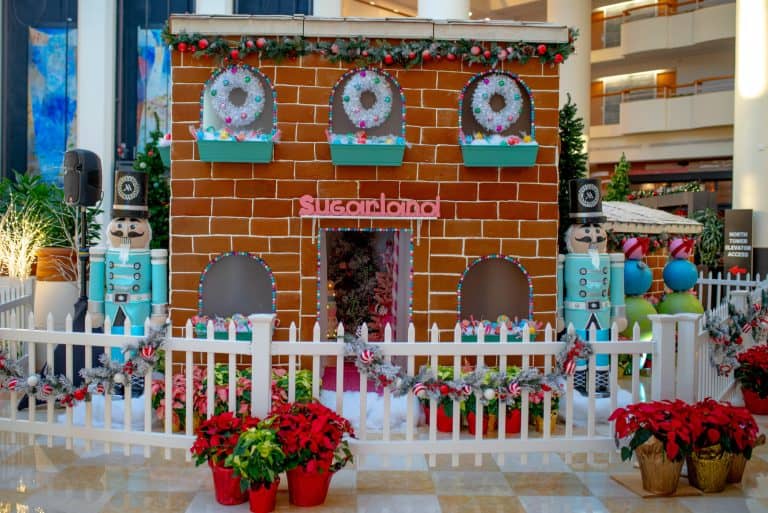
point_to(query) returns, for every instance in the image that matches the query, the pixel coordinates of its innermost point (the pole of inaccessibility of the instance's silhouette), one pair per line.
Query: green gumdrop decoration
(213, 92)
(517, 97)
(376, 80)
(346, 98)
(477, 110)
(387, 99)
(226, 82)
(485, 96)
(247, 79)
(501, 83)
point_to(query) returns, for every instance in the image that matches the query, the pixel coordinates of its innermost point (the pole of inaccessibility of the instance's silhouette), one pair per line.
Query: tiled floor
(37, 479)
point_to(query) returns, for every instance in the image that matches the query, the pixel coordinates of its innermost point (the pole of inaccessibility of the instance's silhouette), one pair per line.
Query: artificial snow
(603, 408)
(374, 420)
(97, 416)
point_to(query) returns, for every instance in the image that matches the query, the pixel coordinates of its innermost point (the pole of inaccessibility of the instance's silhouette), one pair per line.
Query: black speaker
(82, 178)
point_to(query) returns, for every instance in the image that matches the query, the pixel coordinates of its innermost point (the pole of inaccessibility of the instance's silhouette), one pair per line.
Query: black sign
(737, 258)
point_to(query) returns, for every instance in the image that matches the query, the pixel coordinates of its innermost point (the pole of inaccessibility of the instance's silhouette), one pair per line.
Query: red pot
(308, 488)
(512, 423)
(227, 486)
(754, 403)
(471, 423)
(444, 422)
(263, 498)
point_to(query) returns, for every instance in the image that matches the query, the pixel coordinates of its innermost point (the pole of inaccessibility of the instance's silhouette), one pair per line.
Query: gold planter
(736, 470)
(538, 423)
(708, 468)
(660, 475)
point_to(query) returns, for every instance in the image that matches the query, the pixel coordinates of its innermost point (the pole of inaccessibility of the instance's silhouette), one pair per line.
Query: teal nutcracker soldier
(128, 281)
(590, 281)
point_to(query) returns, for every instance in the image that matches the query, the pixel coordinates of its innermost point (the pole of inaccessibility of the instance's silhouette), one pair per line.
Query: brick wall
(218, 207)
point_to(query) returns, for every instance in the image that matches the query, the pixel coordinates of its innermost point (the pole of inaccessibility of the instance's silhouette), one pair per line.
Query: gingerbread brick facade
(220, 207)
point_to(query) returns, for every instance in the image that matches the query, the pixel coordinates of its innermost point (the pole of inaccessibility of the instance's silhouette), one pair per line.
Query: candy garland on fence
(490, 86)
(362, 51)
(726, 333)
(369, 81)
(487, 383)
(239, 77)
(141, 359)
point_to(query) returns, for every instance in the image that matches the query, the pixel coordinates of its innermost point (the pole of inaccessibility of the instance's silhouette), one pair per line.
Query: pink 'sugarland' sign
(382, 207)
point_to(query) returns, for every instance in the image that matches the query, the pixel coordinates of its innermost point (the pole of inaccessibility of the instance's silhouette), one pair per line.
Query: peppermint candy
(46, 389)
(12, 384)
(466, 389)
(147, 352)
(514, 389)
(419, 390)
(367, 356)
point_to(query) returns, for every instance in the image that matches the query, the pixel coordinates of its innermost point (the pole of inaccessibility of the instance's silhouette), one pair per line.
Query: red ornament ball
(192, 49)
(451, 57)
(79, 394)
(334, 48)
(202, 44)
(364, 53)
(487, 54)
(234, 54)
(261, 42)
(559, 58)
(182, 47)
(388, 59)
(426, 56)
(444, 389)
(411, 55)
(541, 49)
(249, 44)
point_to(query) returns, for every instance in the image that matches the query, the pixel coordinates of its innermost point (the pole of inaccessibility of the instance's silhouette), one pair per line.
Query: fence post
(740, 300)
(663, 367)
(261, 363)
(687, 358)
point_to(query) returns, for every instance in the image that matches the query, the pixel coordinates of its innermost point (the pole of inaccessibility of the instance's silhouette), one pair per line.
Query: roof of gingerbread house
(626, 217)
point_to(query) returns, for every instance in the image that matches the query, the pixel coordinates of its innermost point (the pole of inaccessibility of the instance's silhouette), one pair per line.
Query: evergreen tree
(159, 193)
(618, 188)
(573, 160)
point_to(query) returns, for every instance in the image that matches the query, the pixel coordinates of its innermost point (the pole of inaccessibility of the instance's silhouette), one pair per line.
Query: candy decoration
(635, 248)
(496, 84)
(419, 390)
(239, 78)
(466, 389)
(367, 81)
(147, 351)
(681, 248)
(514, 389)
(100, 388)
(47, 389)
(12, 384)
(367, 356)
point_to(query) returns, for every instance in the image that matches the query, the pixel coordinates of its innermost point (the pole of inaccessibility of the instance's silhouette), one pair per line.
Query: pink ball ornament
(362, 124)
(243, 115)
(499, 128)
(228, 119)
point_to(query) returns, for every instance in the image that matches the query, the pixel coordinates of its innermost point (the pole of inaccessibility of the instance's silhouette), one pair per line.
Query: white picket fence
(16, 298)
(712, 291)
(672, 376)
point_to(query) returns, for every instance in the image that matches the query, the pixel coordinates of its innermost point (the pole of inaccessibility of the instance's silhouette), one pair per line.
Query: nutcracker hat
(586, 201)
(130, 198)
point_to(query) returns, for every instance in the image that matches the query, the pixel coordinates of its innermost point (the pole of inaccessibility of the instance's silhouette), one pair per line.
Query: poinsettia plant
(668, 421)
(313, 436)
(536, 401)
(713, 422)
(257, 457)
(752, 372)
(218, 436)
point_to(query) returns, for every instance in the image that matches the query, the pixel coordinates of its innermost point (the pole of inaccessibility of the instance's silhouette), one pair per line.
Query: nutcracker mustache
(591, 240)
(130, 235)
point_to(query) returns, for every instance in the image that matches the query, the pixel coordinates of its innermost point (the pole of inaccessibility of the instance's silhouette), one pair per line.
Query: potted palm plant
(258, 459)
(314, 439)
(216, 440)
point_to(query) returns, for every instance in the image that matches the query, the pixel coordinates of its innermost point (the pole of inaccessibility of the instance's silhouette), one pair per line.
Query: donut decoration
(496, 84)
(496, 121)
(367, 119)
(238, 105)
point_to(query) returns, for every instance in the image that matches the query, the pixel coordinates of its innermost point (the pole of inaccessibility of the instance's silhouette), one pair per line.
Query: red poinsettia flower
(752, 372)
(665, 420)
(217, 436)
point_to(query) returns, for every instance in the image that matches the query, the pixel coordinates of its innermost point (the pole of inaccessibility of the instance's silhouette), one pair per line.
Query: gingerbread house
(405, 171)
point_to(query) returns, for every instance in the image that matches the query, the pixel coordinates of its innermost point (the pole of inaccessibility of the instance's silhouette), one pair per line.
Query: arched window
(236, 282)
(495, 285)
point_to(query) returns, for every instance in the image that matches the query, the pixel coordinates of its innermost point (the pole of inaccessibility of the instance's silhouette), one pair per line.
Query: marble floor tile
(466, 463)
(533, 463)
(757, 505)
(397, 504)
(481, 504)
(561, 504)
(82, 478)
(42, 458)
(714, 504)
(70, 501)
(601, 485)
(148, 502)
(637, 504)
(470, 483)
(398, 482)
(399, 463)
(343, 482)
(546, 484)
(205, 502)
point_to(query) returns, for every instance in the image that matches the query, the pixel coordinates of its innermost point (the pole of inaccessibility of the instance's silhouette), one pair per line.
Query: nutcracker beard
(127, 233)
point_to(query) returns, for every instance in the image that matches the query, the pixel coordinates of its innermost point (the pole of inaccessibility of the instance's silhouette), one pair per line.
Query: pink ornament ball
(243, 115)
(499, 128)
(362, 124)
(228, 119)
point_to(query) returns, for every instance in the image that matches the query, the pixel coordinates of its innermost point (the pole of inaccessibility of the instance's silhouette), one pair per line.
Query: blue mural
(52, 99)
(154, 82)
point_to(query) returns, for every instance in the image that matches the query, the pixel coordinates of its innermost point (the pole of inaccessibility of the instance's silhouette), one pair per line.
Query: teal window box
(259, 152)
(518, 155)
(242, 336)
(165, 155)
(367, 154)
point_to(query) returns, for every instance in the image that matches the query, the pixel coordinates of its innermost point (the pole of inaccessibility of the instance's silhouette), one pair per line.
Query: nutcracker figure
(590, 281)
(128, 281)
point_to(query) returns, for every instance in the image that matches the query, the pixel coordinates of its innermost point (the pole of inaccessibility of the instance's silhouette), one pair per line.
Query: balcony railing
(606, 31)
(606, 106)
